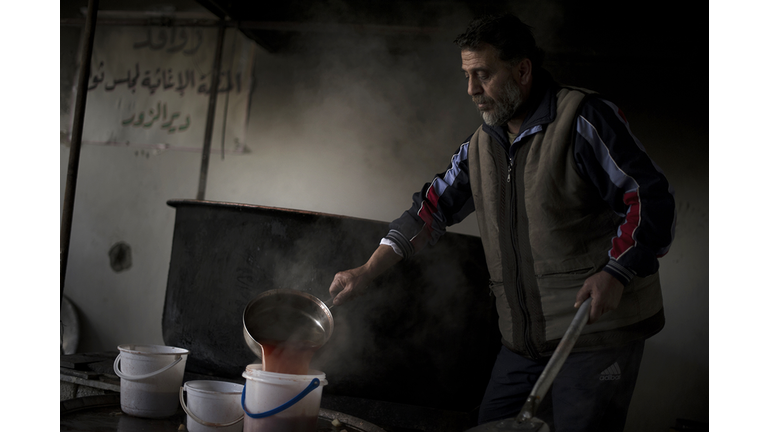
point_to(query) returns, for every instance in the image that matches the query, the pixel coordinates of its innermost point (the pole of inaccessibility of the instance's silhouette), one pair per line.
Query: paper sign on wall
(150, 87)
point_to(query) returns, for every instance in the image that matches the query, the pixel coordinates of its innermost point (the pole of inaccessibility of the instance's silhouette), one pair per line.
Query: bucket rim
(194, 383)
(143, 349)
(254, 372)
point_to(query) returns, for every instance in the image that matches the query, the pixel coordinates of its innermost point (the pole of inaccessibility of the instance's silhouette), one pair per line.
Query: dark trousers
(591, 392)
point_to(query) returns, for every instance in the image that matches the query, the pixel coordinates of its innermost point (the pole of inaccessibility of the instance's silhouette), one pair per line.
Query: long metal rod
(555, 362)
(77, 140)
(211, 113)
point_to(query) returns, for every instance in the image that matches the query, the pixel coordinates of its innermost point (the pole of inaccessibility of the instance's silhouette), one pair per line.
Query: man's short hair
(510, 36)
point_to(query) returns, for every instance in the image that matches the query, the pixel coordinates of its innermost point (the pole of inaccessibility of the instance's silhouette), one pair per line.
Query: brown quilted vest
(544, 232)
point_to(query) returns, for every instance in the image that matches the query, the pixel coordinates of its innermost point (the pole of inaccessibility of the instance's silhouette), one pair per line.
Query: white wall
(121, 197)
(356, 132)
(340, 132)
(353, 133)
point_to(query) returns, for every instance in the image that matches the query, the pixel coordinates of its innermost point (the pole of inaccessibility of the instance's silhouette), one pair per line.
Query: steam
(355, 125)
(357, 122)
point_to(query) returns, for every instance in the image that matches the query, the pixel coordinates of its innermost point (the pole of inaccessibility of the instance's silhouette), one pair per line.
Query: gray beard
(503, 109)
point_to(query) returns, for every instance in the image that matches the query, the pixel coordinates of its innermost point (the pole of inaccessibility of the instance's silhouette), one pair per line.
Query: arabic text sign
(151, 86)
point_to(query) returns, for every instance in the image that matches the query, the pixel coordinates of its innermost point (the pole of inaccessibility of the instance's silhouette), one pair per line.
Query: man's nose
(473, 87)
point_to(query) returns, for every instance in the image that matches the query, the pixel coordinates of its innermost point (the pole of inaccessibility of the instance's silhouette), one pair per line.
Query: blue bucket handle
(315, 383)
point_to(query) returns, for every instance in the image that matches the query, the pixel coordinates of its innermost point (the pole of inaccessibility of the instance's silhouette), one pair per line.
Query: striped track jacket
(606, 153)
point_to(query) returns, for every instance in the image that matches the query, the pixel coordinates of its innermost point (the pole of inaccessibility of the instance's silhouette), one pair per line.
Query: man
(569, 206)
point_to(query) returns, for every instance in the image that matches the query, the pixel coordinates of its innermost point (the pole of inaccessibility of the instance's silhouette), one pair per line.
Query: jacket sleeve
(628, 180)
(445, 201)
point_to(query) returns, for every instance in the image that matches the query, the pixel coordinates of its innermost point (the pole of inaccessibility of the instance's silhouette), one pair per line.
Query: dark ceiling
(650, 29)
(625, 49)
(278, 25)
(649, 47)
(592, 29)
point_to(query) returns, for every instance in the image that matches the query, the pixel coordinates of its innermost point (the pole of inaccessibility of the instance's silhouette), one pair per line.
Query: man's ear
(525, 71)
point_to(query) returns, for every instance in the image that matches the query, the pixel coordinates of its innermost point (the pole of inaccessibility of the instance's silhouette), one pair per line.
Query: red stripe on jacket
(428, 207)
(626, 240)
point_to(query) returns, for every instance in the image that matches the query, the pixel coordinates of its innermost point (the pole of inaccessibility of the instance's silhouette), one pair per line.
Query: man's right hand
(349, 284)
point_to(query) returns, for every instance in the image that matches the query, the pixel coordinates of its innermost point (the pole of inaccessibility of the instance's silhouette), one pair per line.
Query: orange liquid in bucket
(285, 328)
(288, 357)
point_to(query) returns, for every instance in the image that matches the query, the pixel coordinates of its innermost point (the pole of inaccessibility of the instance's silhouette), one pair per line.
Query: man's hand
(348, 284)
(605, 291)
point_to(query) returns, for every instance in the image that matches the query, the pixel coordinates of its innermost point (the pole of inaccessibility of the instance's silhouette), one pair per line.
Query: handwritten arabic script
(151, 85)
(155, 115)
(158, 39)
(164, 79)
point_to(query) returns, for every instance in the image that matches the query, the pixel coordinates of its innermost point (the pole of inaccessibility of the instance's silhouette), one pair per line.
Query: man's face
(492, 85)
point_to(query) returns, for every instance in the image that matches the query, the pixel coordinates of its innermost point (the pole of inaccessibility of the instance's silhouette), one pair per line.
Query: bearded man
(569, 207)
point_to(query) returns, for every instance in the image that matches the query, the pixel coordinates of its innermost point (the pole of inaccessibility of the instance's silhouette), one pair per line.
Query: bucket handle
(315, 383)
(201, 421)
(116, 367)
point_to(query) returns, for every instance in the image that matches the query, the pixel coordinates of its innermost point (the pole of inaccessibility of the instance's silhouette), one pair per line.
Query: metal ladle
(286, 314)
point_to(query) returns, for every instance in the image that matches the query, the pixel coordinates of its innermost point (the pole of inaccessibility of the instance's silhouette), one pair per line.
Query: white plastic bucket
(212, 406)
(150, 377)
(296, 398)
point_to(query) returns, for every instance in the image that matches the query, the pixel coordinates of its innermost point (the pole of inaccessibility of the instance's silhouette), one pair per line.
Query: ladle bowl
(286, 315)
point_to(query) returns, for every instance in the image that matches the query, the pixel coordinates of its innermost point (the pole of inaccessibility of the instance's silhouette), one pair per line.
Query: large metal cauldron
(424, 335)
